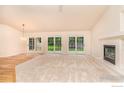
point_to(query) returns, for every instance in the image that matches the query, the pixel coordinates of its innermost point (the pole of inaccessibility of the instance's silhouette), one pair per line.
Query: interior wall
(122, 21)
(104, 33)
(64, 35)
(122, 54)
(107, 26)
(1, 14)
(11, 43)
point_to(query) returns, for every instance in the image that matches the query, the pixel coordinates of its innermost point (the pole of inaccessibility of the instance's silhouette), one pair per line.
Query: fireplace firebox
(109, 53)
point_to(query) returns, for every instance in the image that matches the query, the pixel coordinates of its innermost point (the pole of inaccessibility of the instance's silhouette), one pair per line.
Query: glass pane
(57, 43)
(50, 43)
(110, 52)
(71, 43)
(31, 43)
(38, 44)
(80, 41)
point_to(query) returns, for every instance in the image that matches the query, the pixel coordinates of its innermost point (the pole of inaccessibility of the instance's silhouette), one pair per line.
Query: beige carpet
(65, 68)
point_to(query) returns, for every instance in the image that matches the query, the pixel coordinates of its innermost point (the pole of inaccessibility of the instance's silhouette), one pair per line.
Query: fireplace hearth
(109, 53)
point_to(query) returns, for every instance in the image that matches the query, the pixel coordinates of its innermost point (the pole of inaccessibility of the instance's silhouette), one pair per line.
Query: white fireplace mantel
(120, 35)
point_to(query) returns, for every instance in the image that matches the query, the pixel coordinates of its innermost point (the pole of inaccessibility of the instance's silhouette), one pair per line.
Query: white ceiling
(51, 17)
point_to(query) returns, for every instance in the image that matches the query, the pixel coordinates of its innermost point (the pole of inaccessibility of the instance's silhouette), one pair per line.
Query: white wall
(122, 18)
(64, 35)
(10, 42)
(122, 54)
(122, 22)
(1, 14)
(108, 25)
(122, 57)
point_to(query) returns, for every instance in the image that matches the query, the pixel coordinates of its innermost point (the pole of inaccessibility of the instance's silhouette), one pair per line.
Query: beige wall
(64, 35)
(10, 41)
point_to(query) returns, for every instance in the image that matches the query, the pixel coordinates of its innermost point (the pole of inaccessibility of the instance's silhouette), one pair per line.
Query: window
(38, 44)
(31, 44)
(54, 44)
(80, 45)
(35, 44)
(76, 43)
(50, 43)
(57, 43)
(71, 43)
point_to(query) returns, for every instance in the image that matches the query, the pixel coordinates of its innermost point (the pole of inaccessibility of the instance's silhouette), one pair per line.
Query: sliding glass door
(57, 43)
(80, 43)
(50, 43)
(76, 44)
(38, 46)
(54, 44)
(35, 45)
(72, 44)
(31, 44)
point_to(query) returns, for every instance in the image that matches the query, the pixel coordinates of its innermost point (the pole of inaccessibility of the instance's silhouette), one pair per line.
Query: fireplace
(109, 53)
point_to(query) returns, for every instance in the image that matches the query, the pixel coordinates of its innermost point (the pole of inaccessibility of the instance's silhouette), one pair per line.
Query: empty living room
(61, 43)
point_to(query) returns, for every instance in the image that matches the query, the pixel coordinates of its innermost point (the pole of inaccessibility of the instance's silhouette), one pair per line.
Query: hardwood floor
(8, 64)
(65, 68)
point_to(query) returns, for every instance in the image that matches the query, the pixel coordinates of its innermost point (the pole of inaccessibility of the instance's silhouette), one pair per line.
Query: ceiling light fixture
(23, 32)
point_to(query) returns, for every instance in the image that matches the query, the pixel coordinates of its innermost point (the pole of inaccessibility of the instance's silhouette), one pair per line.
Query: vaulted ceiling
(51, 17)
